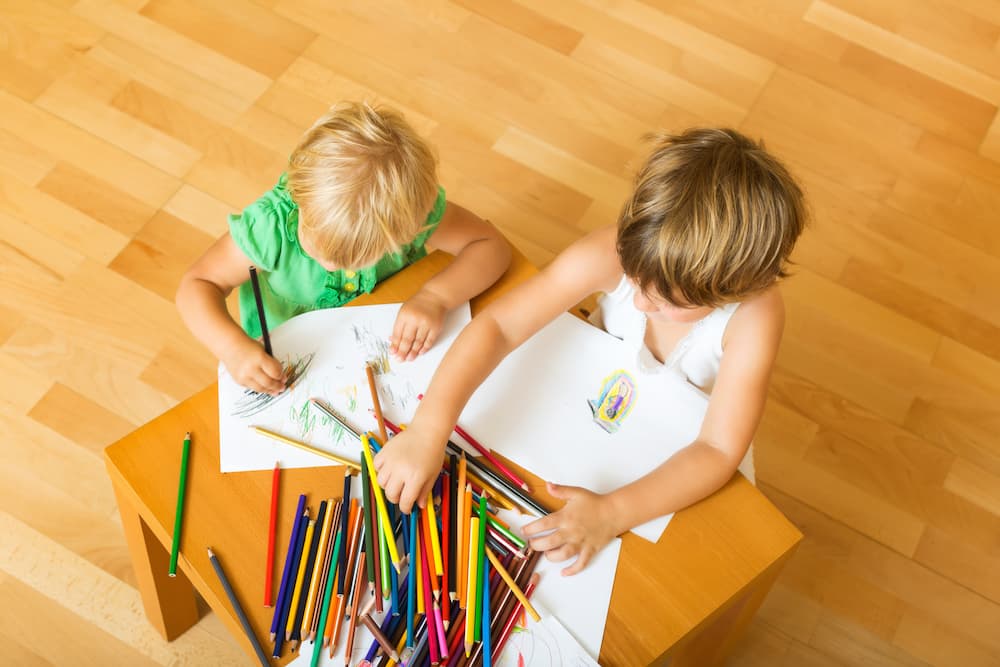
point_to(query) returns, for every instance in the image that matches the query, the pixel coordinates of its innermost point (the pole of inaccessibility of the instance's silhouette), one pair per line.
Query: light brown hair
(712, 220)
(364, 182)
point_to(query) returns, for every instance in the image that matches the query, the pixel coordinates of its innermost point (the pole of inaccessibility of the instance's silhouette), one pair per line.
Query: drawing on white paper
(253, 402)
(327, 351)
(543, 644)
(614, 402)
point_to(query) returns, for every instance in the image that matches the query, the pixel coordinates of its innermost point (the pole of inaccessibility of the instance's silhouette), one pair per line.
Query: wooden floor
(128, 130)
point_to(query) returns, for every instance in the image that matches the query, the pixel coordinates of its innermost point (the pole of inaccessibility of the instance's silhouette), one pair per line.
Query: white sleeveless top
(695, 358)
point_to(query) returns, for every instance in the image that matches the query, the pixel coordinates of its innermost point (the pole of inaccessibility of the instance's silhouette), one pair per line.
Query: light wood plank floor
(129, 129)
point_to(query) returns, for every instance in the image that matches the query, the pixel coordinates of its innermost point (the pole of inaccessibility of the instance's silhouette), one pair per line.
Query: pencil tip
(187, 436)
(210, 552)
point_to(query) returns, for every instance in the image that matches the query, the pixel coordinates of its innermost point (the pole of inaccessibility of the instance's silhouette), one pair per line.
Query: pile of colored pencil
(451, 579)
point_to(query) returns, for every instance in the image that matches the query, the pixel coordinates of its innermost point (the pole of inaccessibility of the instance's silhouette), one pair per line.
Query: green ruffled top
(291, 281)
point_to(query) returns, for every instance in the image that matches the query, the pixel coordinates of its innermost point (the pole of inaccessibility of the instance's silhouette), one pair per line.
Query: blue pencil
(286, 602)
(288, 564)
(411, 596)
(487, 658)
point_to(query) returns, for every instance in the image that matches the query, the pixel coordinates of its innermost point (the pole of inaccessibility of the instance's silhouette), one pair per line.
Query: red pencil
(268, 583)
(504, 470)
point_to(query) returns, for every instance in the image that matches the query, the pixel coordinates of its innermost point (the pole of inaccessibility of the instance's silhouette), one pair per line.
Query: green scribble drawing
(303, 417)
(350, 392)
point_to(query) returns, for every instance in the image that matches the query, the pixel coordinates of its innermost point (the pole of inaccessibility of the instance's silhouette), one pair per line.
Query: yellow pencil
(434, 537)
(470, 586)
(420, 582)
(380, 502)
(309, 448)
(324, 533)
(514, 588)
(298, 580)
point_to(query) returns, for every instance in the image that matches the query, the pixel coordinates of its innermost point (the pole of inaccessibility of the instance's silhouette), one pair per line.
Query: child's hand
(581, 528)
(407, 467)
(254, 368)
(417, 325)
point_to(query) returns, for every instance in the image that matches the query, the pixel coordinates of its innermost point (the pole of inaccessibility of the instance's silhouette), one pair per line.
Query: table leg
(713, 643)
(170, 602)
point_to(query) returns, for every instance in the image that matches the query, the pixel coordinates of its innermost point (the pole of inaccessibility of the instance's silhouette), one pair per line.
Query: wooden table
(684, 600)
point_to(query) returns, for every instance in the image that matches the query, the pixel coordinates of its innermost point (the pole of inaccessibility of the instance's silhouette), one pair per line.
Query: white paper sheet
(533, 409)
(581, 601)
(341, 340)
(543, 644)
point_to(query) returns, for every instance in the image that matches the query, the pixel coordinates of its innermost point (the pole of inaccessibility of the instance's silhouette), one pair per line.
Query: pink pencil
(504, 470)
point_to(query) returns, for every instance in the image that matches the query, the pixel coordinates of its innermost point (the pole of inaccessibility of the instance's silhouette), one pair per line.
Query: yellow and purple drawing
(614, 402)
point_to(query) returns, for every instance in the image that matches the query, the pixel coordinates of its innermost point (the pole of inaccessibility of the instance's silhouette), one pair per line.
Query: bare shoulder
(760, 317)
(591, 263)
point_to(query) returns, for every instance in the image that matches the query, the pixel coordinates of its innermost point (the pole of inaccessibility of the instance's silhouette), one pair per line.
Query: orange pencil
(354, 611)
(462, 508)
(466, 515)
(314, 589)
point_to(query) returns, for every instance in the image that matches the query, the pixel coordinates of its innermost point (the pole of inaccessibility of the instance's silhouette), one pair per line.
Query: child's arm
(589, 521)
(481, 256)
(409, 463)
(201, 300)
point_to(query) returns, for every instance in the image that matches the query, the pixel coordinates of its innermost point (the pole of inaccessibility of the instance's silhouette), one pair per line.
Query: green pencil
(481, 559)
(327, 595)
(175, 547)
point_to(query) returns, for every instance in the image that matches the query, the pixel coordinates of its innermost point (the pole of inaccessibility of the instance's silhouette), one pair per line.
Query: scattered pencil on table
(271, 530)
(342, 460)
(179, 514)
(237, 607)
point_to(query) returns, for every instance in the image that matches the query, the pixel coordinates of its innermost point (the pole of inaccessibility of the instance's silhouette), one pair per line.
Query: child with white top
(689, 277)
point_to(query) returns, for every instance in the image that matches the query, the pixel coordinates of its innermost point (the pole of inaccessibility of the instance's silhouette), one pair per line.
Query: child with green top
(359, 202)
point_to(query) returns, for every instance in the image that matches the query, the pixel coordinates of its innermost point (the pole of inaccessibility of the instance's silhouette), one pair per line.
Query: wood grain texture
(129, 129)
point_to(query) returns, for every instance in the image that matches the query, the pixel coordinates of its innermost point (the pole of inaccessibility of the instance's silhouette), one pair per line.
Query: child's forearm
(475, 268)
(694, 473)
(202, 306)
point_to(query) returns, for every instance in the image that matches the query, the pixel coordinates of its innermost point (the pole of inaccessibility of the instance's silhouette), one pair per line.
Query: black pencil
(342, 566)
(255, 282)
(238, 608)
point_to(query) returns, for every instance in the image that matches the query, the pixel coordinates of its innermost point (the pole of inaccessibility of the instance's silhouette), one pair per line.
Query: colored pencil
(508, 627)
(326, 550)
(366, 503)
(272, 528)
(305, 575)
(460, 541)
(179, 514)
(379, 636)
(354, 614)
(292, 541)
(503, 528)
(237, 607)
(380, 502)
(480, 557)
(324, 616)
(308, 448)
(470, 588)
(487, 659)
(510, 491)
(487, 453)
(419, 574)
(514, 588)
(260, 309)
(451, 522)
(342, 567)
(447, 576)
(354, 548)
(286, 602)
(327, 510)
(332, 414)
(370, 372)
(433, 535)
(425, 563)
(466, 519)
(427, 553)
(484, 487)
(411, 580)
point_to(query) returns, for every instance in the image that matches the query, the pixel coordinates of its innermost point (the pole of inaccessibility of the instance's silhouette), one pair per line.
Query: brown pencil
(378, 406)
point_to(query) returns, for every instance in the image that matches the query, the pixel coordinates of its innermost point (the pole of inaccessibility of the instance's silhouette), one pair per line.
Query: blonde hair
(712, 220)
(364, 182)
